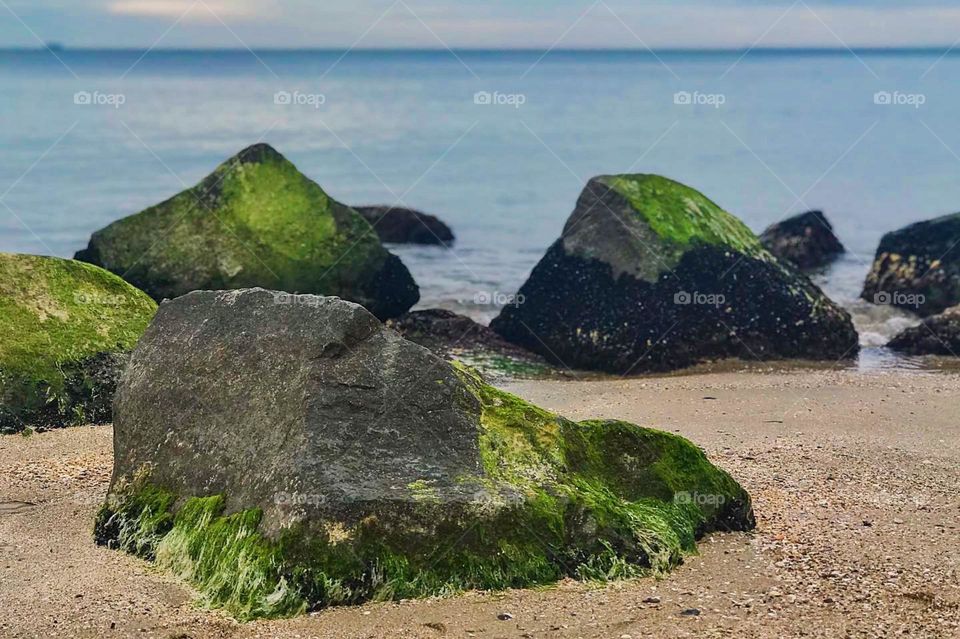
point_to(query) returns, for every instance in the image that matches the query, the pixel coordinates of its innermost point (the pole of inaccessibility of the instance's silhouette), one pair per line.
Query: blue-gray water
(795, 130)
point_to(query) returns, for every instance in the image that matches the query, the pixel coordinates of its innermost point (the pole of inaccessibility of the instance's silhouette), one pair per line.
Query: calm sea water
(765, 134)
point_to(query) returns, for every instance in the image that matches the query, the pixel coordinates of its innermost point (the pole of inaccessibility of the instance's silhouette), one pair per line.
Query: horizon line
(59, 48)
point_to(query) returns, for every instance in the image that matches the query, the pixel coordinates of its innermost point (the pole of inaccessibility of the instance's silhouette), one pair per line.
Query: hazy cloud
(492, 23)
(187, 9)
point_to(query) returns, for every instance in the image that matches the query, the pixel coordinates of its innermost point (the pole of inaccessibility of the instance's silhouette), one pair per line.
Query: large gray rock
(287, 452)
(310, 391)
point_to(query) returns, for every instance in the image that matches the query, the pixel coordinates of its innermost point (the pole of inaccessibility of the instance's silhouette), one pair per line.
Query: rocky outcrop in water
(282, 457)
(651, 275)
(406, 226)
(807, 241)
(917, 268)
(936, 335)
(255, 221)
(453, 336)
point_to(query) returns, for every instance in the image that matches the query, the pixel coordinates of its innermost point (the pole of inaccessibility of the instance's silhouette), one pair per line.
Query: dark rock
(917, 268)
(807, 240)
(66, 328)
(406, 226)
(651, 275)
(937, 335)
(453, 336)
(691, 612)
(307, 456)
(255, 221)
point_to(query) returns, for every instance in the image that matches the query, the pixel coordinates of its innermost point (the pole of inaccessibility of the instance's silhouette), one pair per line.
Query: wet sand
(855, 479)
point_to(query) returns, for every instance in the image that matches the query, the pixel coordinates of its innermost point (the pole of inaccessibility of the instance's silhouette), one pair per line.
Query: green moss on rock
(682, 215)
(255, 221)
(595, 500)
(61, 320)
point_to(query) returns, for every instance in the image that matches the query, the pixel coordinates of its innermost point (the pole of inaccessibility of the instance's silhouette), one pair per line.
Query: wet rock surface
(651, 275)
(806, 240)
(399, 225)
(454, 336)
(917, 268)
(937, 335)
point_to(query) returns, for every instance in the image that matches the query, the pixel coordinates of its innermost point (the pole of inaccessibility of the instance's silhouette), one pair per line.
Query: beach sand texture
(856, 485)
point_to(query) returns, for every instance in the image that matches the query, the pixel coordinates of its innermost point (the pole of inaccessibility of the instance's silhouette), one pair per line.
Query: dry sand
(855, 480)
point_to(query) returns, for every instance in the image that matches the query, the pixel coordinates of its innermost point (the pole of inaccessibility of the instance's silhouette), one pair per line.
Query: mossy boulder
(649, 274)
(255, 221)
(288, 457)
(806, 240)
(917, 268)
(66, 328)
(936, 335)
(398, 225)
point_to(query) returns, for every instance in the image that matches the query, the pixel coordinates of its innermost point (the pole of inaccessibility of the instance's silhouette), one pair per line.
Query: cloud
(185, 9)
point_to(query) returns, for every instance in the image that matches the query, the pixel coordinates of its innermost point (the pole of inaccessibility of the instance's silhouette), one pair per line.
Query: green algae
(255, 221)
(595, 500)
(54, 315)
(683, 216)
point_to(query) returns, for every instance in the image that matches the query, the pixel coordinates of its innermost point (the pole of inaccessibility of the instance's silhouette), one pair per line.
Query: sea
(498, 144)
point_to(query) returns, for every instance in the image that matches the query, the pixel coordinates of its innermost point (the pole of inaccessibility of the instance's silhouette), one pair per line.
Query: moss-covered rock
(649, 274)
(329, 461)
(66, 328)
(255, 221)
(917, 268)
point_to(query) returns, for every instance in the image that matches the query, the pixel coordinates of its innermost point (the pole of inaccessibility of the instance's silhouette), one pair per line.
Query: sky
(478, 24)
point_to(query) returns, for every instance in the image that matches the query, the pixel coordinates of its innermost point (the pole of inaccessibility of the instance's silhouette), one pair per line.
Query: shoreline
(847, 470)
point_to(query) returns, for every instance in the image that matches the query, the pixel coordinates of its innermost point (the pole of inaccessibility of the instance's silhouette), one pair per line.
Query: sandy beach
(855, 480)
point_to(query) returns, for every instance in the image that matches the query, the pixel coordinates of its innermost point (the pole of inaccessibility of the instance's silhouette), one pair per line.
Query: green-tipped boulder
(329, 461)
(649, 274)
(67, 328)
(255, 221)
